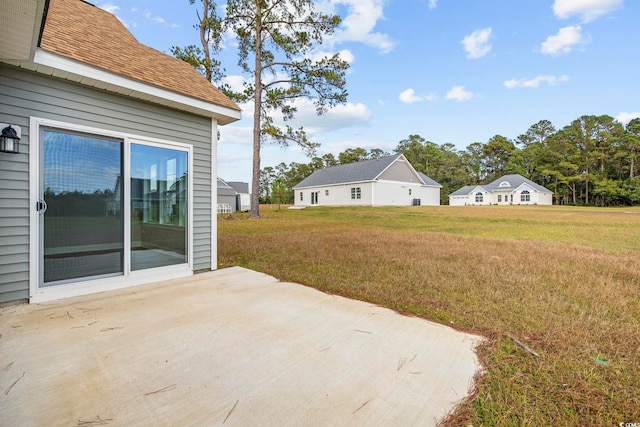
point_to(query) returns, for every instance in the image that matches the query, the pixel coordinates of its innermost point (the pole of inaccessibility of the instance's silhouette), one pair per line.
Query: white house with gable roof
(387, 181)
(507, 190)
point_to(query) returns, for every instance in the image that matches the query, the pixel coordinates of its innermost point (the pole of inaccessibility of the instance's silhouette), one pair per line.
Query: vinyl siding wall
(339, 195)
(24, 94)
(397, 194)
(399, 171)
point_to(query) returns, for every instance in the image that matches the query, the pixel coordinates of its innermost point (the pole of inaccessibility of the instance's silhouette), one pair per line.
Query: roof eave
(297, 187)
(407, 162)
(68, 69)
(20, 22)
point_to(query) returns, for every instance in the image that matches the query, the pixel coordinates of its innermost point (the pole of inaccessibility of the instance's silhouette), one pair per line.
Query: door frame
(129, 278)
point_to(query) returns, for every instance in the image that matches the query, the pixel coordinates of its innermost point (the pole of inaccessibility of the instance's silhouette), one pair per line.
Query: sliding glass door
(109, 206)
(82, 227)
(159, 189)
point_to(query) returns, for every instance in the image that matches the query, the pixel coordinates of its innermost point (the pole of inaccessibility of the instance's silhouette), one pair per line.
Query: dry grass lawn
(563, 281)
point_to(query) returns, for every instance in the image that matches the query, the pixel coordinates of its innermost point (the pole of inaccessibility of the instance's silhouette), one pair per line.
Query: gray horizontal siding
(25, 94)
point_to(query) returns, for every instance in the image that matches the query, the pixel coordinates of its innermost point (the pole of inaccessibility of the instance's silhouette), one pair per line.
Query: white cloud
(564, 41)
(236, 82)
(115, 11)
(477, 43)
(625, 118)
(359, 23)
(409, 97)
(236, 134)
(457, 93)
(109, 7)
(431, 97)
(535, 82)
(587, 10)
(339, 117)
(433, 4)
(147, 14)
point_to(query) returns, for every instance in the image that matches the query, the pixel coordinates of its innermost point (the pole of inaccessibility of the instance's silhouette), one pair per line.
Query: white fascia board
(68, 69)
(408, 163)
(385, 169)
(530, 187)
(332, 185)
(479, 188)
(525, 186)
(403, 159)
(407, 183)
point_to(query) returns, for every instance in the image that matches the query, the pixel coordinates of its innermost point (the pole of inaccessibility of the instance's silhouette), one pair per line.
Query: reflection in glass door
(159, 188)
(81, 219)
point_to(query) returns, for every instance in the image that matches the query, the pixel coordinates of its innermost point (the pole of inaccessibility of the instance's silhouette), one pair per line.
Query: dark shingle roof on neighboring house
(225, 189)
(427, 180)
(514, 182)
(464, 191)
(240, 187)
(366, 170)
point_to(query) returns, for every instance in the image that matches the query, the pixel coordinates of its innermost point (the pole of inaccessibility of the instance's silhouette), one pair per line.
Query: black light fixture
(9, 141)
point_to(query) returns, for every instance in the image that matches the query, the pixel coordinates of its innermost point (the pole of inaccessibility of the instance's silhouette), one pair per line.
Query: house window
(478, 197)
(525, 196)
(356, 193)
(314, 197)
(499, 198)
(301, 196)
(326, 192)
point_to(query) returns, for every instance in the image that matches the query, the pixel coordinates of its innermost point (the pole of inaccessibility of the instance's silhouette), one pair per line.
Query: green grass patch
(564, 281)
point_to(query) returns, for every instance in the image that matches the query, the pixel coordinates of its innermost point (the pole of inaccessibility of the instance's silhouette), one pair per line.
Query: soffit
(20, 26)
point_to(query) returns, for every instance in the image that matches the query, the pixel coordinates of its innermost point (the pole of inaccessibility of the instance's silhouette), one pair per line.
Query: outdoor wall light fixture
(10, 140)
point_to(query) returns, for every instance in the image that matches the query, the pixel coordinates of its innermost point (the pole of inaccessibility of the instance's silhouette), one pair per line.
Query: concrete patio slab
(230, 347)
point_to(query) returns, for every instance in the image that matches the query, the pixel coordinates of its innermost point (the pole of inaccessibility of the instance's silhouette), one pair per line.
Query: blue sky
(451, 71)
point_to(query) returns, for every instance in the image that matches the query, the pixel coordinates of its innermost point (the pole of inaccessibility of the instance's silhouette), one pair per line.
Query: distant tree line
(69, 203)
(592, 161)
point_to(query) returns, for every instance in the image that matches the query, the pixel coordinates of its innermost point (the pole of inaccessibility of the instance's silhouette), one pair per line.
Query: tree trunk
(204, 41)
(257, 106)
(573, 191)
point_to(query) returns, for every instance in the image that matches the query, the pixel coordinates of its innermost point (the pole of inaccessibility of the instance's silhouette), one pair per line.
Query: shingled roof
(366, 170)
(506, 182)
(513, 181)
(83, 32)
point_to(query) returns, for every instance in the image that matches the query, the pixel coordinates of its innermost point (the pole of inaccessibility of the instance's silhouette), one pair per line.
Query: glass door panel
(159, 188)
(82, 224)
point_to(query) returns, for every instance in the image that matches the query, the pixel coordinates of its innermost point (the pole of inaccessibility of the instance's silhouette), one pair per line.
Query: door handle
(41, 206)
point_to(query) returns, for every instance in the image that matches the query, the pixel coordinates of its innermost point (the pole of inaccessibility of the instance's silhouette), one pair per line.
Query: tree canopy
(275, 42)
(591, 161)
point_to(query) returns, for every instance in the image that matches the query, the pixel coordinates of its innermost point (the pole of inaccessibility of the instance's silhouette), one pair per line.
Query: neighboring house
(243, 196)
(233, 196)
(508, 190)
(114, 182)
(387, 181)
